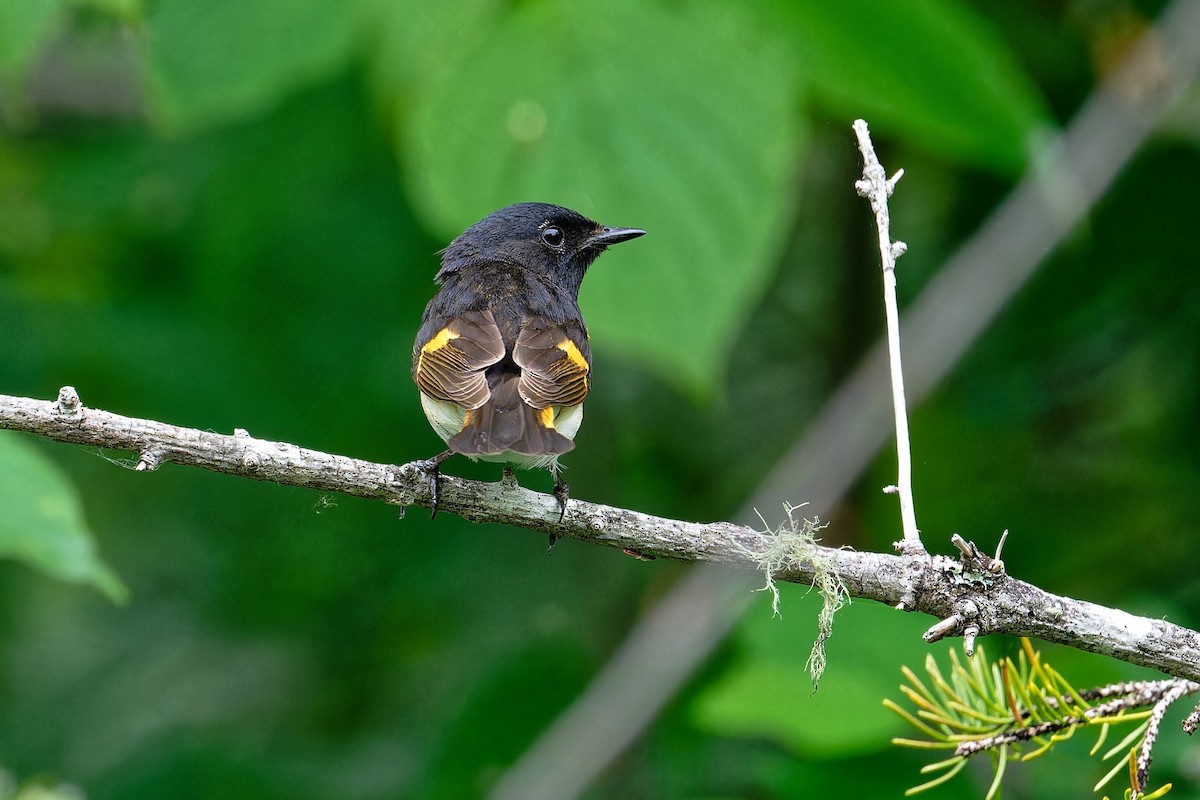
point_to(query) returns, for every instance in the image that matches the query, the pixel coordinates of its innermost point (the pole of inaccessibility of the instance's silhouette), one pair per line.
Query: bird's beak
(608, 236)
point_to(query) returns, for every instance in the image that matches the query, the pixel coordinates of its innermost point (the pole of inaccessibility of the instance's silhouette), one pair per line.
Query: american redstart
(502, 357)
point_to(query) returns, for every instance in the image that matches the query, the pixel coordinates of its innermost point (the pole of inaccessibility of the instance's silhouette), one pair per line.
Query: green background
(223, 214)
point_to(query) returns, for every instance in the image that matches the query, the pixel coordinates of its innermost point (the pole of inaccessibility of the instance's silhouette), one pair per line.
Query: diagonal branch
(953, 310)
(997, 604)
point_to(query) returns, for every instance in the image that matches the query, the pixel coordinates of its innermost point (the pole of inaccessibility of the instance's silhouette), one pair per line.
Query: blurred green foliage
(227, 214)
(44, 524)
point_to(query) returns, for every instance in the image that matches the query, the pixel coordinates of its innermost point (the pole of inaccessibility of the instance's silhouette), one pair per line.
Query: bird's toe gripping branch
(432, 467)
(562, 493)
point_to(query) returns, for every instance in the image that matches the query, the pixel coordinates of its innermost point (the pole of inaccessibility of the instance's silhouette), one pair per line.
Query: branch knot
(150, 460)
(68, 404)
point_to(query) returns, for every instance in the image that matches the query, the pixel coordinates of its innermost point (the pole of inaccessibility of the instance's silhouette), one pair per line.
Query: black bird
(502, 358)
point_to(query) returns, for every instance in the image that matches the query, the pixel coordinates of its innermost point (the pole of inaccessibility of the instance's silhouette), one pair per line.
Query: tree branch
(945, 587)
(949, 316)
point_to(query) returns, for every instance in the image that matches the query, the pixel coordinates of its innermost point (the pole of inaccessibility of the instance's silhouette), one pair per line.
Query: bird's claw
(562, 493)
(432, 467)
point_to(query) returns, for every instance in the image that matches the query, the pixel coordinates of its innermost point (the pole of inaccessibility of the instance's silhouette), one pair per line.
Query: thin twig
(1192, 721)
(1159, 694)
(877, 187)
(1145, 753)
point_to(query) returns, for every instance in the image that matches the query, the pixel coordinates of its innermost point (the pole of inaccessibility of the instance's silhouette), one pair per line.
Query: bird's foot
(432, 467)
(562, 493)
(508, 478)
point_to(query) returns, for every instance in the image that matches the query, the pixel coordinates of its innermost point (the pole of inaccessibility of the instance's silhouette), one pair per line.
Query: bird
(502, 358)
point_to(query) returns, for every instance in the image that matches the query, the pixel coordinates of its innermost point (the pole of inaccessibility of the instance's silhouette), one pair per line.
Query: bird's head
(545, 238)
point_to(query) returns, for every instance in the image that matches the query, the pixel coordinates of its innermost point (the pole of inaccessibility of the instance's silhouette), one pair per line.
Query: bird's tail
(506, 423)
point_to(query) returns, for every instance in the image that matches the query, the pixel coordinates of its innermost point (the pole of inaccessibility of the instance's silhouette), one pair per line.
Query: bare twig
(1145, 752)
(1192, 721)
(877, 187)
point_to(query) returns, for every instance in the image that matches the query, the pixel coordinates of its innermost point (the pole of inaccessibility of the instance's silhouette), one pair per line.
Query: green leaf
(25, 25)
(931, 71)
(413, 38)
(131, 10)
(768, 694)
(219, 61)
(42, 524)
(678, 120)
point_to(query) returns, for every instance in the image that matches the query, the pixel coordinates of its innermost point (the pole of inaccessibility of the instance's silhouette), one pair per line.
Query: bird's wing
(555, 361)
(449, 364)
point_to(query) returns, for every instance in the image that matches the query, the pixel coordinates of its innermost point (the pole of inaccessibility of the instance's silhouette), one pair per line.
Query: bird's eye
(552, 236)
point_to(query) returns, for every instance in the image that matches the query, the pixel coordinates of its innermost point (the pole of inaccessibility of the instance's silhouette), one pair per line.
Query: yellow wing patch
(568, 347)
(451, 365)
(444, 336)
(554, 365)
(439, 341)
(546, 417)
